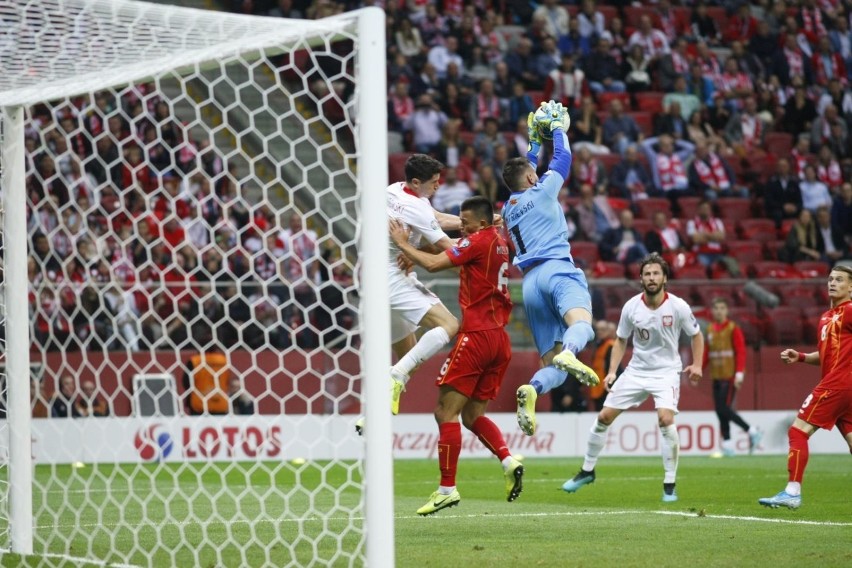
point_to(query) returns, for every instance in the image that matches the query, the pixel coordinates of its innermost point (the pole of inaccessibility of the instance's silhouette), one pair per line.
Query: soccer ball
(545, 114)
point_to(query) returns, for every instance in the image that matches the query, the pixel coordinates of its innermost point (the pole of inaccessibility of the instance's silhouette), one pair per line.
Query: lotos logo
(153, 443)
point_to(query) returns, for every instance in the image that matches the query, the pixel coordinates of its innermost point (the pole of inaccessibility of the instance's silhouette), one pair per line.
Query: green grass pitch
(617, 521)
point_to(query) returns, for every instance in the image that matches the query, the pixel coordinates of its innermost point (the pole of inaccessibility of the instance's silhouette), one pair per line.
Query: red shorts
(826, 407)
(477, 363)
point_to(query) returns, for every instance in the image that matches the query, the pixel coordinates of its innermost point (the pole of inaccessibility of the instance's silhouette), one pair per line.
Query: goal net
(192, 190)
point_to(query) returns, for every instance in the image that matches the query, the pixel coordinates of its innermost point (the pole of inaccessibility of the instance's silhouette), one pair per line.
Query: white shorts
(631, 390)
(409, 302)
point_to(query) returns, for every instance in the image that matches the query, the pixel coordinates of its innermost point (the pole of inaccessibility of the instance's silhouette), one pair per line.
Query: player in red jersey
(830, 403)
(472, 374)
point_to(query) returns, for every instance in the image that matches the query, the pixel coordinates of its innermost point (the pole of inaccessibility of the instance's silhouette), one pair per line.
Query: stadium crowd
(696, 127)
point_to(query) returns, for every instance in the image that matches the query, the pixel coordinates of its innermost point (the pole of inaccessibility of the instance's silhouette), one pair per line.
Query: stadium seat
(734, 208)
(796, 295)
(758, 230)
(605, 98)
(730, 229)
(811, 269)
(810, 322)
(778, 144)
(773, 248)
(646, 208)
(783, 325)
(609, 161)
(786, 226)
(643, 226)
(719, 15)
(633, 270)
(688, 206)
(618, 295)
(750, 322)
(603, 269)
(633, 14)
(536, 96)
(645, 122)
(773, 269)
(692, 271)
(649, 101)
(613, 314)
(609, 12)
(745, 251)
(707, 292)
(585, 253)
(396, 166)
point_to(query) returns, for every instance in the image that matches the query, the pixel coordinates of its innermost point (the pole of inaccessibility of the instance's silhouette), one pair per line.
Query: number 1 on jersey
(519, 242)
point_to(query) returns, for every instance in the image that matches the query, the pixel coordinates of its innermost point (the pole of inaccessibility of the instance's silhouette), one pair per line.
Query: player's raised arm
(793, 356)
(448, 221)
(431, 262)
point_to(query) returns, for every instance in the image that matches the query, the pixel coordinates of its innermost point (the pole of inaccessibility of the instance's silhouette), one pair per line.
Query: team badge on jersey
(464, 243)
(668, 321)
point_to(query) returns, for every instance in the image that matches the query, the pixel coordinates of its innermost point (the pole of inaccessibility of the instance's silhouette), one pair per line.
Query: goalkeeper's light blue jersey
(534, 217)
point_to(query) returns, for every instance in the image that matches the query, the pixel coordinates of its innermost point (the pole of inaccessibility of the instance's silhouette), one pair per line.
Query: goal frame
(370, 128)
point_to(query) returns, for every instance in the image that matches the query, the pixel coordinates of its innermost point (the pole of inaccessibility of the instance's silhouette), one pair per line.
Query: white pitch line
(759, 519)
(76, 559)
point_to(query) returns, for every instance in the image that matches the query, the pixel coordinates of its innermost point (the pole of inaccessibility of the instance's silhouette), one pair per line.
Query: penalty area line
(77, 560)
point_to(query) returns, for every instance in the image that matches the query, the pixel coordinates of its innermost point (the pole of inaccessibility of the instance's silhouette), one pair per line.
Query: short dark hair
(422, 167)
(844, 268)
(480, 206)
(512, 171)
(654, 258)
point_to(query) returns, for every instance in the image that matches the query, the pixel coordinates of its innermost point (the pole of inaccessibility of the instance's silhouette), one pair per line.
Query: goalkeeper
(556, 295)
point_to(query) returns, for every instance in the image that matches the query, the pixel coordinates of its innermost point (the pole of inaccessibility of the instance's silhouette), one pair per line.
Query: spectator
(671, 122)
(604, 340)
(733, 87)
(742, 25)
(300, 266)
(408, 39)
(555, 16)
(565, 84)
(624, 243)
(830, 238)
(574, 42)
(630, 177)
(636, 70)
(782, 197)
(801, 156)
(814, 192)
(285, 9)
(39, 408)
(62, 405)
(602, 69)
(745, 131)
(802, 241)
(451, 147)
(241, 402)
(425, 124)
(442, 55)
(688, 102)
(703, 27)
(791, 62)
(518, 107)
(841, 211)
(669, 23)
(668, 159)
(456, 105)
(707, 234)
(451, 194)
(828, 170)
(701, 86)
(619, 39)
(586, 128)
(433, 26)
(764, 46)
(664, 237)
(485, 105)
(587, 169)
(400, 106)
(490, 186)
(487, 140)
(710, 176)
(707, 60)
(520, 64)
(620, 130)
(839, 97)
(747, 62)
(590, 21)
(799, 110)
(653, 42)
(594, 215)
(821, 129)
(426, 82)
(827, 64)
(90, 403)
(548, 59)
(674, 64)
(841, 41)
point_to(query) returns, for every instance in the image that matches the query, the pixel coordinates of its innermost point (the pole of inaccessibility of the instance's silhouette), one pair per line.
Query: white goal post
(180, 185)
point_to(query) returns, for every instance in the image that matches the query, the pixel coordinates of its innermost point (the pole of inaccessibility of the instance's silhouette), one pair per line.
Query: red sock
(797, 459)
(449, 448)
(491, 436)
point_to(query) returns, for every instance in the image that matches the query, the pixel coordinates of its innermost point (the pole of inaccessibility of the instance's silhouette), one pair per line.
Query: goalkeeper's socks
(491, 437)
(449, 448)
(431, 342)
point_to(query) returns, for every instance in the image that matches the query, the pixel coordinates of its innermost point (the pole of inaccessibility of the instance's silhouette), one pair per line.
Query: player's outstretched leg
(782, 499)
(438, 501)
(514, 474)
(526, 397)
(579, 480)
(669, 493)
(568, 362)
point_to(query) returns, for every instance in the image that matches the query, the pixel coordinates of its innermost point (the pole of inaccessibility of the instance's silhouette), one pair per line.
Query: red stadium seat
(645, 122)
(786, 226)
(643, 226)
(796, 295)
(609, 161)
(773, 248)
(692, 271)
(646, 208)
(812, 269)
(750, 322)
(633, 14)
(688, 206)
(758, 230)
(773, 269)
(585, 253)
(396, 165)
(783, 326)
(605, 98)
(778, 144)
(810, 322)
(604, 269)
(613, 314)
(536, 96)
(649, 101)
(745, 251)
(734, 208)
(708, 292)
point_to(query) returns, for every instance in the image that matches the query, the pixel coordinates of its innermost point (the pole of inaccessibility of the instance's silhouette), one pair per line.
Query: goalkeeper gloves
(559, 118)
(533, 132)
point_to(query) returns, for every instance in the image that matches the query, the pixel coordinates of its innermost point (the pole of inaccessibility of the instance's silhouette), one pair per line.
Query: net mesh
(191, 200)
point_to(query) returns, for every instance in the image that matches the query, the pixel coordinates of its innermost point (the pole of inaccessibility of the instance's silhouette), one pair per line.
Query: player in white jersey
(412, 305)
(656, 319)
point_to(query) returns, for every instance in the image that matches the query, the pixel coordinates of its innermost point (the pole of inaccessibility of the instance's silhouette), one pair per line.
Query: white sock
(597, 441)
(728, 445)
(446, 490)
(752, 430)
(793, 488)
(671, 448)
(507, 462)
(430, 343)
